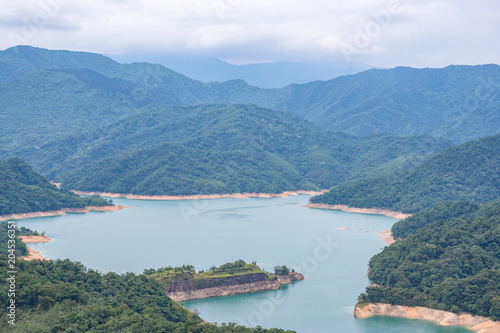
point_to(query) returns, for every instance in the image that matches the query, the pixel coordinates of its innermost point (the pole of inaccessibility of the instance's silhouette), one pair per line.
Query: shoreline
(478, 324)
(345, 208)
(236, 287)
(60, 212)
(34, 254)
(284, 194)
(387, 237)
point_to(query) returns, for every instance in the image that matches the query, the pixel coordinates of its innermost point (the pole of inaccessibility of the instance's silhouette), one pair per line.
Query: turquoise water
(279, 231)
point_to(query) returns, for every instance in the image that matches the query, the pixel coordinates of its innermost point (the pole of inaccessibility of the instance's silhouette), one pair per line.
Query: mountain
(19, 61)
(451, 263)
(22, 190)
(467, 171)
(458, 102)
(54, 103)
(219, 149)
(207, 68)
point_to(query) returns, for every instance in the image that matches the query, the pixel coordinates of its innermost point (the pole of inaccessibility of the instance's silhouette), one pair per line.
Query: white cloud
(417, 33)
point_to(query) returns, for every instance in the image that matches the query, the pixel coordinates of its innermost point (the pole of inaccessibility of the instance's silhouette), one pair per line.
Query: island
(185, 283)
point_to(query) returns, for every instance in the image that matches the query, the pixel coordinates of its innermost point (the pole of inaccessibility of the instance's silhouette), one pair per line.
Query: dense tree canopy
(468, 171)
(449, 260)
(222, 149)
(22, 190)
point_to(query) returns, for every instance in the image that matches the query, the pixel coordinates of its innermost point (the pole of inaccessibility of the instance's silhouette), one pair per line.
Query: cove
(278, 231)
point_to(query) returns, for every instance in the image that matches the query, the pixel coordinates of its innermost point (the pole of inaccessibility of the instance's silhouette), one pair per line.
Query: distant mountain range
(263, 75)
(458, 102)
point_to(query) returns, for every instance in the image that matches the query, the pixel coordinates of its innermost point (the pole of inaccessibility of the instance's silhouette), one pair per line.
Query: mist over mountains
(207, 68)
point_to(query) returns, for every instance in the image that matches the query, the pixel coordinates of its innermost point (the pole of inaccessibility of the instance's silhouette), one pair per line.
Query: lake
(278, 231)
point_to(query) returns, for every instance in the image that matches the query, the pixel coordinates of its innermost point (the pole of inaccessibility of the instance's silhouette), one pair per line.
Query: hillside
(48, 105)
(467, 171)
(451, 101)
(220, 149)
(400, 101)
(451, 263)
(23, 190)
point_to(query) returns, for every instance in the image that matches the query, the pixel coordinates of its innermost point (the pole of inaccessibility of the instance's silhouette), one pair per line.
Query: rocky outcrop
(477, 323)
(287, 279)
(63, 211)
(188, 289)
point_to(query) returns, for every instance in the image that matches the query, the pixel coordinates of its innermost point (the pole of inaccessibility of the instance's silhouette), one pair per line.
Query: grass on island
(362, 305)
(168, 275)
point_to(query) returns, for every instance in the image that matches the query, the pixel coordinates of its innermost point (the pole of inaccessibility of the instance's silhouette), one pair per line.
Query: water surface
(153, 234)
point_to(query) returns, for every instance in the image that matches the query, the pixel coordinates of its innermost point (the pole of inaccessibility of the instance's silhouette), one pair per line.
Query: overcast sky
(418, 33)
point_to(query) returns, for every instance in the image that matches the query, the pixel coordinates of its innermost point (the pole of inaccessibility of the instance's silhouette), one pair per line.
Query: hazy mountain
(264, 75)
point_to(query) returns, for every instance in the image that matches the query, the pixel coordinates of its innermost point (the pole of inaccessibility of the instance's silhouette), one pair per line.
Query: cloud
(387, 33)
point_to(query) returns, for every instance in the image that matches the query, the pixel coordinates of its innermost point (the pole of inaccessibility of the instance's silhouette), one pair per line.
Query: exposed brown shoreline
(35, 239)
(63, 211)
(345, 208)
(285, 194)
(443, 318)
(387, 237)
(245, 284)
(34, 254)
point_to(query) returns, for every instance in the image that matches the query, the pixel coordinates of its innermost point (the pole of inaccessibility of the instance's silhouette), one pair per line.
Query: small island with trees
(185, 283)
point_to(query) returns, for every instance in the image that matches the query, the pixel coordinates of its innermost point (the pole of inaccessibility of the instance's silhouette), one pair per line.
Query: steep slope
(400, 100)
(467, 171)
(22, 190)
(452, 263)
(50, 104)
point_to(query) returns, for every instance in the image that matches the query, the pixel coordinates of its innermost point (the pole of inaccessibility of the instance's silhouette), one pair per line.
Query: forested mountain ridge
(221, 149)
(450, 262)
(467, 171)
(22, 190)
(400, 101)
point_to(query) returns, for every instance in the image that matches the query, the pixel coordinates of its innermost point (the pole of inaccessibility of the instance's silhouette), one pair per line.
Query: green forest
(23, 190)
(448, 259)
(222, 149)
(467, 171)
